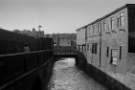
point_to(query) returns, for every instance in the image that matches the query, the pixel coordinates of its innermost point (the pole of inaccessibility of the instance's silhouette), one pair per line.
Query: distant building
(33, 33)
(63, 39)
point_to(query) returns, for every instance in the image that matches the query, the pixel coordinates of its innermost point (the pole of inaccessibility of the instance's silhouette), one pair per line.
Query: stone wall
(98, 75)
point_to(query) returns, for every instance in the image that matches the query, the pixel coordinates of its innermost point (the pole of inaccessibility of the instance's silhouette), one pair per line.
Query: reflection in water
(67, 77)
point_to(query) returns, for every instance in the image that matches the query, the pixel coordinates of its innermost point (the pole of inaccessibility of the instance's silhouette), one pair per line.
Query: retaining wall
(98, 75)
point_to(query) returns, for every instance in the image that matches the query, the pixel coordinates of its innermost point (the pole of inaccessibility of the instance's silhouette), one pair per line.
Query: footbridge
(65, 51)
(33, 70)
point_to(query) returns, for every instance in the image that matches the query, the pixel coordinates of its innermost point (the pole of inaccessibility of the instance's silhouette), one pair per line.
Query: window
(106, 27)
(121, 20)
(107, 51)
(103, 26)
(115, 56)
(112, 23)
(88, 29)
(93, 29)
(120, 56)
(87, 47)
(86, 33)
(94, 48)
(90, 48)
(118, 22)
(99, 27)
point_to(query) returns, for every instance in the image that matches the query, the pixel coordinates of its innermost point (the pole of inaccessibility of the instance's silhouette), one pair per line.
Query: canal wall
(100, 76)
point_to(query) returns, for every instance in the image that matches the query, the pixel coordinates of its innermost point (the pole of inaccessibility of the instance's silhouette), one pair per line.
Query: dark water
(67, 77)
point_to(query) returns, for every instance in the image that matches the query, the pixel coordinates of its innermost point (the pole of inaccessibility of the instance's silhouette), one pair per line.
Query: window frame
(112, 24)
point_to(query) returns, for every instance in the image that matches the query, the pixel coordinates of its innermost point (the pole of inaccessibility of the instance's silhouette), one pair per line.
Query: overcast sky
(56, 16)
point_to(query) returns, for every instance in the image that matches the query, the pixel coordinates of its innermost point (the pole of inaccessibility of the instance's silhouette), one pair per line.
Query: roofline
(81, 27)
(107, 15)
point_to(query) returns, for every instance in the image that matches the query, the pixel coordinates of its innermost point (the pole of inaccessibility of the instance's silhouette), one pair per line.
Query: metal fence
(15, 65)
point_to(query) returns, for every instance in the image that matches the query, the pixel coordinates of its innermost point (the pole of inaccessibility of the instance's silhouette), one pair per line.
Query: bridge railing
(63, 50)
(14, 65)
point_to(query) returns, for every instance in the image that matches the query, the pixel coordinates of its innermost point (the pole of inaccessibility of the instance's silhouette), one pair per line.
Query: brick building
(109, 41)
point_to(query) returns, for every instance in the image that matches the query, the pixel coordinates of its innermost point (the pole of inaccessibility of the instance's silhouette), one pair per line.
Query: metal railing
(17, 65)
(65, 50)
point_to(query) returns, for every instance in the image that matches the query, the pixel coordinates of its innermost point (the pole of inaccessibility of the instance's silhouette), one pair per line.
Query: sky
(55, 16)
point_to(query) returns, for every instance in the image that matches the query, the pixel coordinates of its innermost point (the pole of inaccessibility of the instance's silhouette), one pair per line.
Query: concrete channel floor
(67, 77)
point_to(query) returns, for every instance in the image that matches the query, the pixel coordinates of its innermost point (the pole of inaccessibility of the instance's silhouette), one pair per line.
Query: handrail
(14, 65)
(23, 53)
(10, 82)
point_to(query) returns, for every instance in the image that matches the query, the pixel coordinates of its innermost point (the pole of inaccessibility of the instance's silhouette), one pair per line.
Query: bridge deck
(67, 77)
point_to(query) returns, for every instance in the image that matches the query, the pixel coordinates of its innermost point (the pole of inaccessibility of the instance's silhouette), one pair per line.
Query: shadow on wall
(81, 61)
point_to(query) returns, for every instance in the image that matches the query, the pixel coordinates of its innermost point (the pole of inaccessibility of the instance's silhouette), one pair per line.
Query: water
(67, 77)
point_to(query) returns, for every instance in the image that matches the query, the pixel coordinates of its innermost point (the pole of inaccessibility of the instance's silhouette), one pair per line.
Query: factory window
(118, 22)
(87, 47)
(106, 27)
(107, 51)
(94, 48)
(112, 23)
(99, 27)
(96, 26)
(120, 56)
(93, 28)
(115, 56)
(90, 48)
(88, 33)
(103, 27)
(121, 20)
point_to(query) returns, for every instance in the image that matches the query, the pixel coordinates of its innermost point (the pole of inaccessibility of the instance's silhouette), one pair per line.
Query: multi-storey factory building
(109, 42)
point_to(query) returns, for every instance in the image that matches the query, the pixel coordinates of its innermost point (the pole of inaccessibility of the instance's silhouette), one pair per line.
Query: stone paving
(67, 77)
